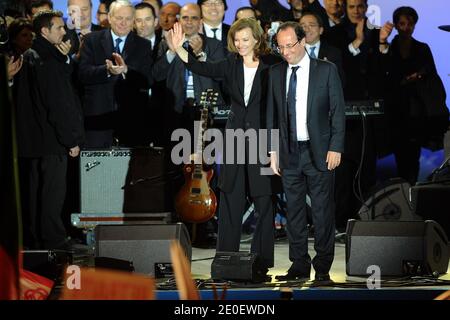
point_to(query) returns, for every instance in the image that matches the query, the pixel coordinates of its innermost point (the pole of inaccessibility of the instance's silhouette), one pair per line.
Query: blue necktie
(117, 47)
(187, 74)
(291, 109)
(312, 54)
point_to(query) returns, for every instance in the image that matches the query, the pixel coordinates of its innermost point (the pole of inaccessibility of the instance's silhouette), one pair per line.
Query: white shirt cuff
(170, 56)
(353, 50)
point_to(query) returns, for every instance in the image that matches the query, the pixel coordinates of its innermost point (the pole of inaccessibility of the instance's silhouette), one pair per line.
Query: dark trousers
(231, 210)
(296, 183)
(45, 193)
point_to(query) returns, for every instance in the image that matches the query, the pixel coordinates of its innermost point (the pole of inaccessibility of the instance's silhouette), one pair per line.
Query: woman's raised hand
(176, 36)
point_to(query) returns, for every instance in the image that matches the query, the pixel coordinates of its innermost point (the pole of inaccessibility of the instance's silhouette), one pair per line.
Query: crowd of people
(138, 74)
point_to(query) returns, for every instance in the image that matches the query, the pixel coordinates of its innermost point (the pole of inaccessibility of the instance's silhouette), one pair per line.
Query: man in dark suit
(49, 130)
(363, 48)
(213, 12)
(79, 23)
(186, 87)
(312, 25)
(145, 23)
(306, 105)
(115, 69)
(335, 13)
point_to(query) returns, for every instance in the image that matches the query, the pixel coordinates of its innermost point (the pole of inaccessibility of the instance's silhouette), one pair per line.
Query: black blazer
(225, 30)
(243, 117)
(364, 72)
(71, 35)
(159, 37)
(175, 81)
(332, 54)
(112, 102)
(49, 117)
(325, 117)
(415, 109)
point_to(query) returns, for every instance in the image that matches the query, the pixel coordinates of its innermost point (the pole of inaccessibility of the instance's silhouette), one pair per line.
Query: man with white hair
(115, 69)
(79, 23)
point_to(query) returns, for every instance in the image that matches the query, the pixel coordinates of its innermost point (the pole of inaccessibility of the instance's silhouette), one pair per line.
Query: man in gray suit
(306, 104)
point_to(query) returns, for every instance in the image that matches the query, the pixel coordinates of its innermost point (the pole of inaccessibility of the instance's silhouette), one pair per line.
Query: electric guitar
(196, 201)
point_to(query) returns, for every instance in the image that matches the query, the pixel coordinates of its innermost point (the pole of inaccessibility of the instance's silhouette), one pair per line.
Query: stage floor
(341, 286)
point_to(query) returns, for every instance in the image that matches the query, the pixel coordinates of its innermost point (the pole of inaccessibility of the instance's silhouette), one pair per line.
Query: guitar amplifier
(122, 180)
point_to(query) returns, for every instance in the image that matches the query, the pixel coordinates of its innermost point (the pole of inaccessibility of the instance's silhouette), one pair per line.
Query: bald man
(168, 15)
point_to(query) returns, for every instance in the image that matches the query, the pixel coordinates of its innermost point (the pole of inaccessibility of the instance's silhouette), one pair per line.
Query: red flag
(10, 226)
(34, 286)
(8, 277)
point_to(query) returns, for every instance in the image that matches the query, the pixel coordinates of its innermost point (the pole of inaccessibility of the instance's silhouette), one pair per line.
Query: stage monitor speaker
(432, 202)
(389, 203)
(146, 246)
(237, 266)
(121, 180)
(398, 248)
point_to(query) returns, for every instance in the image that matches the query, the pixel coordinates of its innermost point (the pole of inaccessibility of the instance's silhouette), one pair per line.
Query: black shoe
(322, 277)
(293, 276)
(262, 275)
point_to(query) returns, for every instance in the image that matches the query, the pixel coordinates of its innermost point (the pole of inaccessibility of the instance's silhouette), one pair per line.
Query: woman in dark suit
(416, 95)
(244, 75)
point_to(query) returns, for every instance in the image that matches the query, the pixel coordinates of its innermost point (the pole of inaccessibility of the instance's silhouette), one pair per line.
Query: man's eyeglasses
(288, 46)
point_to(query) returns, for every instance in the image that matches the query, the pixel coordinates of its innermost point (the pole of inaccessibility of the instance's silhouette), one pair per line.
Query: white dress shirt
(152, 41)
(210, 34)
(122, 44)
(249, 77)
(301, 102)
(316, 50)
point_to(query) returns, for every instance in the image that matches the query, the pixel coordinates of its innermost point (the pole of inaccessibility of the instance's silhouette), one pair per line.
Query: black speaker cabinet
(389, 202)
(432, 202)
(236, 266)
(398, 248)
(146, 246)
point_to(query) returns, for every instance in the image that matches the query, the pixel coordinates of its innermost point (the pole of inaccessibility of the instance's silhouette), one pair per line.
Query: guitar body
(196, 201)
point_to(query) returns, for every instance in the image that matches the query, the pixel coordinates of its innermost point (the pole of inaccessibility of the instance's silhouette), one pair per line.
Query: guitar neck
(201, 131)
(209, 98)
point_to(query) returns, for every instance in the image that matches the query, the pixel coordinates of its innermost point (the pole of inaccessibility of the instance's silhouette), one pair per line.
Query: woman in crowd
(20, 33)
(244, 73)
(416, 95)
